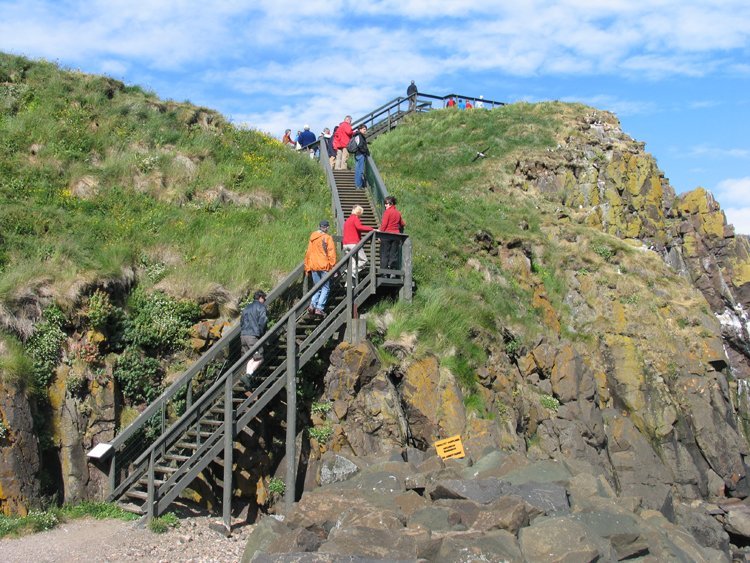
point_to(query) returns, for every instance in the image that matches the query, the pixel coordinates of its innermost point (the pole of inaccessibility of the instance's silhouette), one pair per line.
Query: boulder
(498, 545)
(551, 540)
(335, 468)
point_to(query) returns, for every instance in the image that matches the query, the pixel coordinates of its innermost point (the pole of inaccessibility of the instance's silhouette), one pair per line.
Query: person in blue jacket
(306, 138)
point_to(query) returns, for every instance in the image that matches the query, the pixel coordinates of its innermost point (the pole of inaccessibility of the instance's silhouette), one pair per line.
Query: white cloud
(733, 194)
(734, 191)
(740, 218)
(717, 152)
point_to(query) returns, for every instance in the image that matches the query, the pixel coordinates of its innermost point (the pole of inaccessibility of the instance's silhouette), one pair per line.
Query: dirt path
(117, 541)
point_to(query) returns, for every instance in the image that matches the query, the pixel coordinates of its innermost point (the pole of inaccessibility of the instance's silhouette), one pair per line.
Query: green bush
(45, 346)
(321, 408)
(159, 322)
(139, 376)
(320, 434)
(100, 310)
(604, 251)
(277, 486)
(549, 402)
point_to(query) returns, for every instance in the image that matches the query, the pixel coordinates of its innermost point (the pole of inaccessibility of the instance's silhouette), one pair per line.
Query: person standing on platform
(390, 246)
(411, 93)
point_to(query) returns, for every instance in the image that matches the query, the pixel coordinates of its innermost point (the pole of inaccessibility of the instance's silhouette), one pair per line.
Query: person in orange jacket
(320, 258)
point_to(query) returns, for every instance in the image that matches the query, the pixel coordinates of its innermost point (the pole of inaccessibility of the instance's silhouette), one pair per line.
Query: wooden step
(130, 507)
(186, 446)
(164, 469)
(142, 495)
(202, 433)
(176, 457)
(157, 482)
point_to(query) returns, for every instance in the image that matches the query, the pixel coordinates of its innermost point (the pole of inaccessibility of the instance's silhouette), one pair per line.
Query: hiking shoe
(320, 313)
(310, 311)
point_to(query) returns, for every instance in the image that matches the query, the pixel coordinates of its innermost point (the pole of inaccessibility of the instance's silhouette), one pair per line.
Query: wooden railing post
(228, 447)
(291, 413)
(113, 473)
(406, 263)
(351, 279)
(151, 498)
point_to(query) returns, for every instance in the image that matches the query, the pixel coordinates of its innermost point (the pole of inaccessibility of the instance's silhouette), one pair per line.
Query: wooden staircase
(151, 461)
(349, 196)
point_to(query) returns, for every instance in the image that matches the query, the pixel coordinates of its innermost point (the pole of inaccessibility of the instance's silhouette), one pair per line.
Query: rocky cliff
(636, 372)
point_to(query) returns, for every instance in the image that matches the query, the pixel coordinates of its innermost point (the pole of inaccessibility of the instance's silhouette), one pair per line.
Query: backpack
(353, 144)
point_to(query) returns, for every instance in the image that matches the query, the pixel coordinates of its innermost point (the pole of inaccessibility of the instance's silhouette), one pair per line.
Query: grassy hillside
(446, 199)
(97, 178)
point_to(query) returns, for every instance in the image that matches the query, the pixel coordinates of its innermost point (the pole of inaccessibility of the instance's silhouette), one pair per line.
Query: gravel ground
(195, 540)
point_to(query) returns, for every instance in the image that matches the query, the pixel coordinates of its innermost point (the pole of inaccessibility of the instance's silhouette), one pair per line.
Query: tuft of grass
(16, 368)
(164, 523)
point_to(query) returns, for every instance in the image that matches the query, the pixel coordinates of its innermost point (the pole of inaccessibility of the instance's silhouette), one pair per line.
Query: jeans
(359, 171)
(320, 297)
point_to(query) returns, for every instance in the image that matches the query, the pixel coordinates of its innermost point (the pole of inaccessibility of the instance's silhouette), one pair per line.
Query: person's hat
(259, 294)
(307, 127)
(324, 224)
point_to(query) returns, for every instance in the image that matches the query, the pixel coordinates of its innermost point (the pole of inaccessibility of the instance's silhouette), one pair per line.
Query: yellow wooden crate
(450, 448)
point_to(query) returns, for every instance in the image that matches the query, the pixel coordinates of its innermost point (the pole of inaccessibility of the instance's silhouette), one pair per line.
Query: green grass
(39, 521)
(446, 199)
(154, 165)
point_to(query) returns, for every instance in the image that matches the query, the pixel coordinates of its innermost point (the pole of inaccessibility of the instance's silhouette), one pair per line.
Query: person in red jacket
(390, 246)
(353, 231)
(341, 138)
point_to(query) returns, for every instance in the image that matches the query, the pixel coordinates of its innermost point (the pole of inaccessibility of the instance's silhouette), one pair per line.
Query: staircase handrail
(338, 210)
(156, 406)
(217, 388)
(375, 186)
(379, 111)
(237, 417)
(492, 103)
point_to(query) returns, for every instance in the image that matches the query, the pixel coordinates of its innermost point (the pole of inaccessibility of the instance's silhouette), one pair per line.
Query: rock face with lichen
(19, 455)
(614, 185)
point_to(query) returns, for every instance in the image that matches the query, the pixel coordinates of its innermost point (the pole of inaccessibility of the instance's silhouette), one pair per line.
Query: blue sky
(676, 72)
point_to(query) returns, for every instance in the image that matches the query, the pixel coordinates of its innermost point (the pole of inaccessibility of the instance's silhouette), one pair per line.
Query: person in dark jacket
(305, 139)
(360, 154)
(253, 324)
(411, 93)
